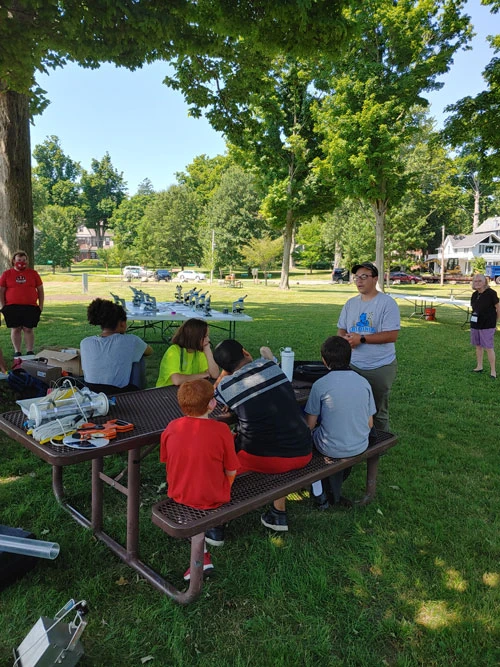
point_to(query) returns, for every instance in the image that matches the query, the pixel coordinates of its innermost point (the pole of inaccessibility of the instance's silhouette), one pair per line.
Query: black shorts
(21, 316)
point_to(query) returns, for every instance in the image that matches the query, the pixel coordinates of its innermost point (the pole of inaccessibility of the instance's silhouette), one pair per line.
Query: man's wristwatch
(362, 339)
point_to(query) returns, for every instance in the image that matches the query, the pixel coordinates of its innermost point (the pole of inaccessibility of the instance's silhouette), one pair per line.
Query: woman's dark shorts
(21, 316)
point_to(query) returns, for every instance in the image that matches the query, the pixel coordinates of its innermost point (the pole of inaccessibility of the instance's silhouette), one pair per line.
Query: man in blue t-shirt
(370, 322)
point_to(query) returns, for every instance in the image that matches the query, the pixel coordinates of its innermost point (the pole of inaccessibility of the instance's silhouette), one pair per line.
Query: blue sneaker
(275, 520)
(215, 536)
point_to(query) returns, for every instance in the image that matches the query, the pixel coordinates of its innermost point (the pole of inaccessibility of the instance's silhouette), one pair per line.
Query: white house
(484, 242)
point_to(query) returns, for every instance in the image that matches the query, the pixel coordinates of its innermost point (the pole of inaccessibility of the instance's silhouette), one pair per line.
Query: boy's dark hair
(228, 355)
(194, 397)
(105, 313)
(336, 352)
(190, 334)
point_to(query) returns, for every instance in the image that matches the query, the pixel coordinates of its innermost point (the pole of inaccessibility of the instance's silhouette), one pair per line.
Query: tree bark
(16, 204)
(337, 261)
(379, 208)
(287, 245)
(292, 246)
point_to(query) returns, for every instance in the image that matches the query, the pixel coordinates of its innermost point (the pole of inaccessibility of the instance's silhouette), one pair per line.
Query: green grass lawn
(412, 579)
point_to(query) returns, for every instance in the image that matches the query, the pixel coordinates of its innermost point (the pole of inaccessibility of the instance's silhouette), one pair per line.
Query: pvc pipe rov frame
(28, 547)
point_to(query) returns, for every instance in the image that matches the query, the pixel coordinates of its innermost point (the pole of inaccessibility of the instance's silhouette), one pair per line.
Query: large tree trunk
(379, 208)
(337, 260)
(287, 245)
(16, 205)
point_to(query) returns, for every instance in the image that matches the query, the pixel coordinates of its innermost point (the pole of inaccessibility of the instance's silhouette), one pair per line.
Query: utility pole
(212, 258)
(442, 255)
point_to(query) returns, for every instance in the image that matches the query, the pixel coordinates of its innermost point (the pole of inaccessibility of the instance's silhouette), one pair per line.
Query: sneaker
(274, 519)
(207, 567)
(18, 354)
(215, 536)
(320, 502)
(30, 353)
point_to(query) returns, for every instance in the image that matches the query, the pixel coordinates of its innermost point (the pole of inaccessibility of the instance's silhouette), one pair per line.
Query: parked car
(340, 275)
(162, 274)
(493, 273)
(399, 277)
(130, 272)
(189, 274)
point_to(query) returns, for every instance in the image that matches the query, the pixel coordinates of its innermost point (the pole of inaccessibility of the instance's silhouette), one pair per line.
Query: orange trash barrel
(430, 314)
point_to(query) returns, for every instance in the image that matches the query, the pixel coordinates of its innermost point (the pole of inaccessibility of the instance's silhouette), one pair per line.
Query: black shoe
(320, 502)
(215, 536)
(30, 353)
(275, 520)
(18, 354)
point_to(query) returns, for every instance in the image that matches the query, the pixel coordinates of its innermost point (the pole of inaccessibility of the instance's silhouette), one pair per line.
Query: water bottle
(287, 359)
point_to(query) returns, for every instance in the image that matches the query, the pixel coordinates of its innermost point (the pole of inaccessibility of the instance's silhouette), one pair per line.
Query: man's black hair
(228, 355)
(336, 352)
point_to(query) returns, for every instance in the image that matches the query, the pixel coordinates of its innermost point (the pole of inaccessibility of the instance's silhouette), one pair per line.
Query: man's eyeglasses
(363, 276)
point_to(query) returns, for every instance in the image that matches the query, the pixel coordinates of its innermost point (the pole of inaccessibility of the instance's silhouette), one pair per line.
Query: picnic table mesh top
(149, 410)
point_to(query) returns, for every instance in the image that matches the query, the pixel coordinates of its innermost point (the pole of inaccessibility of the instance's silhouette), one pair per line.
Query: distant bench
(251, 491)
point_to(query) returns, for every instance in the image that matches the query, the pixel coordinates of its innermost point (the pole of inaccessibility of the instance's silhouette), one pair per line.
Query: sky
(145, 126)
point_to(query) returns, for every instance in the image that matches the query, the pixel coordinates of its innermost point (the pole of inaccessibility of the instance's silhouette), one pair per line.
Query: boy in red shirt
(199, 454)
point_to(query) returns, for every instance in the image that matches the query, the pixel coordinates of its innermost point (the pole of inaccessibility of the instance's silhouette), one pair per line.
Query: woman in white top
(110, 359)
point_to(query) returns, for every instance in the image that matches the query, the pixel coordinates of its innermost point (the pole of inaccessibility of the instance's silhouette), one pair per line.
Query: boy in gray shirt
(340, 409)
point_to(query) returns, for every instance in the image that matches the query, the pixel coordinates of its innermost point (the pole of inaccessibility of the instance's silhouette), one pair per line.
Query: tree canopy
(103, 189)
(233, 215)
(37, 36)
(269, 127)
(57, 172)
(472, 129)
(376, 91)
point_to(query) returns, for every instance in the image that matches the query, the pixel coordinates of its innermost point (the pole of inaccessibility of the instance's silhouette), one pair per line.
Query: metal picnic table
(421, 303)
(150, 411)
(170, 315)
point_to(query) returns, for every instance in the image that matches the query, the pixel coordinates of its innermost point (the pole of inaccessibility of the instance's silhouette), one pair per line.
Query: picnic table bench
(251, 491)
(232, 281)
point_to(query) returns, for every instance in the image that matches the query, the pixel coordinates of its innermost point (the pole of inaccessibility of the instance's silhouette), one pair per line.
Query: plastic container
(287, 359)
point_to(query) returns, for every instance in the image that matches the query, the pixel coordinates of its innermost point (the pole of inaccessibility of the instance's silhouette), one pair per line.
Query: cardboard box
(41, 370)
(68, 359)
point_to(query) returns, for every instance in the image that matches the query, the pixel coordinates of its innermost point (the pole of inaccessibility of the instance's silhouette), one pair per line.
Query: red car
(399, 278)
